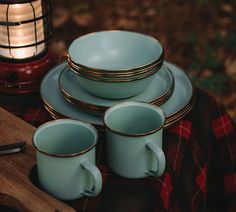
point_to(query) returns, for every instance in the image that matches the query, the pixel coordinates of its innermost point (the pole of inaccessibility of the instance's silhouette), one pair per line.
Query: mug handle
(97, 177)
(160, 157)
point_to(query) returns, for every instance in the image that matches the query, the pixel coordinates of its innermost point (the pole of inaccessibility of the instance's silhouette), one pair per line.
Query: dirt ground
(199, 36)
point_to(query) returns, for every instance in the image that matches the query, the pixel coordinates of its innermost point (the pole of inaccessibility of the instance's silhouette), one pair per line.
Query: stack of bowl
(115, 64)
(108, 67)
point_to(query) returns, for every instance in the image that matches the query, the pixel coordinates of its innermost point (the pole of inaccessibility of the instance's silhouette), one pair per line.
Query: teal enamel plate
(182, 94)
(159, 87)
(52, 97)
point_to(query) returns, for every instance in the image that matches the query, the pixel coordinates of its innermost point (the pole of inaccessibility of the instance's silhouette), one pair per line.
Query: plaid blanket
(200, 172)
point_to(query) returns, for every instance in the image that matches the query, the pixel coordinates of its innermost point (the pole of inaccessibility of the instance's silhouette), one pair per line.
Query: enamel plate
(160, 89)
(52, 97)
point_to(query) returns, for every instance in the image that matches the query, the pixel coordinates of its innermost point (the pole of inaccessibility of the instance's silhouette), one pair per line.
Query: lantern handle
(7, 23)
(17, 23)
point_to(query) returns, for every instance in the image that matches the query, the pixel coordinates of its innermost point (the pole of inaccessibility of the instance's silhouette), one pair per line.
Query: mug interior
(63, 138)
(134, 118)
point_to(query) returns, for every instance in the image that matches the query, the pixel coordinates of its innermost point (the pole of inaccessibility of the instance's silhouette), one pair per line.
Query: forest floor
(199, 36)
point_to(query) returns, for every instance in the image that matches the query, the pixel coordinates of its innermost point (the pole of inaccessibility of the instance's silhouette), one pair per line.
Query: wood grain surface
(16, 189)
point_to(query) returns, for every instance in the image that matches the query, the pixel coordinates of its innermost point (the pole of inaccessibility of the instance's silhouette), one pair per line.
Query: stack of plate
(100, 73)
(70, 85)
(61, 101)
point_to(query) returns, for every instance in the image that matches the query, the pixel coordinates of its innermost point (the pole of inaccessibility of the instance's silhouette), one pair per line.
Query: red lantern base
(24, 77)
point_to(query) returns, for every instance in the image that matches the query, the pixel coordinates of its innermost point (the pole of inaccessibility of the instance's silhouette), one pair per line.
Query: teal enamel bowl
(115, 51)
(115, 89)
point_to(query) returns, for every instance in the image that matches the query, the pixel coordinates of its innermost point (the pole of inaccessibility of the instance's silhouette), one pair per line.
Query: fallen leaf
(230, 68)
(60, 17)
(227, 8)
(126, 23)
(206, 73)
(151, 12)
(83, 19)
(225, 20)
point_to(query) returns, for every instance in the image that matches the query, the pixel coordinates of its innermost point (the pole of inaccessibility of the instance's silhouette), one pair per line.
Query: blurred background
(199, 36)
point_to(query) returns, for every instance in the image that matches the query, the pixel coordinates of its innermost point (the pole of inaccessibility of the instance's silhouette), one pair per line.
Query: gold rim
(153, 107)
(112, 73)
(57, 114)
(187, 110)
(110, 80)
(193, 91)
(103, 76)
(113, 76)
(89, 126)
(168, 93)
(52, 111)
(87, 108)
(180, 113)
(100, 110)
(161, 57)
(169, 122)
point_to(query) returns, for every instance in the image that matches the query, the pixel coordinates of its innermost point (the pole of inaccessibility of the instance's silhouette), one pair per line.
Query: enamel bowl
(115, 89)
(115, 64)
(113, 75)
(115, 51)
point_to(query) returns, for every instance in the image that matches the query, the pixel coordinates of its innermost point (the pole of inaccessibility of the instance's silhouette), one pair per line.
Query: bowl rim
(113, 74)
(64, 121)
(139, 104)
(159, 59)
(114, 80)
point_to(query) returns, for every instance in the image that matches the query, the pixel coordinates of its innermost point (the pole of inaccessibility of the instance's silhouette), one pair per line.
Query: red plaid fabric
(166, 190)
(183, 129)
(201, 179)
(33, 114)
(230, 183)
(200, 173)
(222, 126)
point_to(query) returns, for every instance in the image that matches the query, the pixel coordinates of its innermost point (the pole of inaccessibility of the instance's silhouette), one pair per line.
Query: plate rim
(158, 101)
(100, 124)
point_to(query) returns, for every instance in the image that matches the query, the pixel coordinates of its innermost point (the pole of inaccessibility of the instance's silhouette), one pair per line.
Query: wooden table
(16, 190)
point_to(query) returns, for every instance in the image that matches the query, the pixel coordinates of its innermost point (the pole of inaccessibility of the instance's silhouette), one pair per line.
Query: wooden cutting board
(16, 189)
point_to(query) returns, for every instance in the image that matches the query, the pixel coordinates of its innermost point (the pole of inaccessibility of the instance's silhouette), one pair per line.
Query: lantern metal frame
(23, 75)
(47, 24)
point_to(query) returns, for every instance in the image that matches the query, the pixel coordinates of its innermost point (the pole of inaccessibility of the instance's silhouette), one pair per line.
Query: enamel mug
(134, 139)
(65, 153)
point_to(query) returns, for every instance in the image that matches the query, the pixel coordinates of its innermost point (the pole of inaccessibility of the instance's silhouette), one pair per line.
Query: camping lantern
(25, 32)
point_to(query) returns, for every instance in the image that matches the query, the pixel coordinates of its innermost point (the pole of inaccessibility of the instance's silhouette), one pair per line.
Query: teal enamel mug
(65, 155)
(134, 139)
